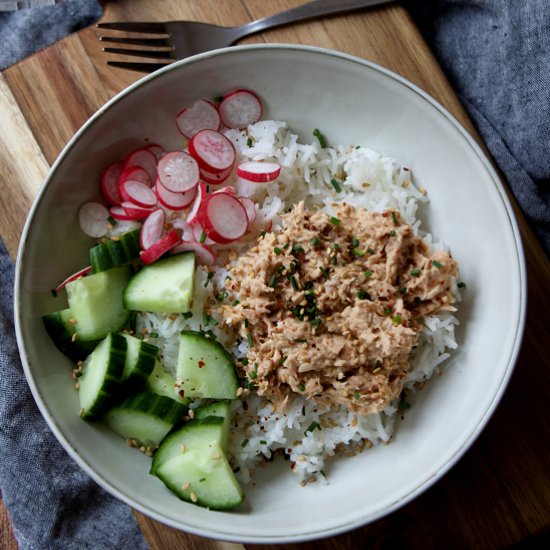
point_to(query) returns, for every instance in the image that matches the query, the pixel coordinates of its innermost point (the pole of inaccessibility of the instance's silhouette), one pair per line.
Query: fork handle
(311, 10)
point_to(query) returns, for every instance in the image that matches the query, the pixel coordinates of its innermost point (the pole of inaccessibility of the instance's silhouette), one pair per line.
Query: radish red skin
(152, 228)
(134, 212)
(240, 108)
(174, 201)
(213, 151)
(223, 218)
(258, 171)
(144, 158)
(109, 183)
(193, 216)
(178, 171)
(164, 244)
(215, 179)
(80, 273)
(138, 193)
(202, 114)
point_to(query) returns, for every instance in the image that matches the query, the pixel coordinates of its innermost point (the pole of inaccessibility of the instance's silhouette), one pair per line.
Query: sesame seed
(185, 486)
(193, 497)
(182, 448)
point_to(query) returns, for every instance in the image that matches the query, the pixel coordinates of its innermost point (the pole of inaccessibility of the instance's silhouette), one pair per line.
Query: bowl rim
(404, 499)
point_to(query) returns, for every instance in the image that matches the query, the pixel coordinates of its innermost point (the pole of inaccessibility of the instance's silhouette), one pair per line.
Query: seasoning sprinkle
(320, 138)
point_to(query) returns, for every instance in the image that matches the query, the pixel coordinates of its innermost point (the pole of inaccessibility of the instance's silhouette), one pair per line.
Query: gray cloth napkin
(496, 54)
(53, 504)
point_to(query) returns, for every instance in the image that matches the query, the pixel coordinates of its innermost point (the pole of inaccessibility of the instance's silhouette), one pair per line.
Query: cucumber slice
(204, 368)
(165, 286)
(202, 476)
(115, 252)
(101, 377)
(145, 417)
(162, 382)
(60, 327)
(96, 303)
(140, 361)
(221, 409)
(193, 434)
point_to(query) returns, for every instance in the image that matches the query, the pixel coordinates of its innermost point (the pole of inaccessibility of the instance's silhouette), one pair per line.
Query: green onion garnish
(312, 427)
(187, 315)
(394, 218)
(356, 395)
(362, 295)
(218, 98)
(354, 242)
(396, 319)
(320, 138)
(437, 264)
(208, 277)
(387, 310)
(461, 284)
(293, 282)
(300, 340)
(302, 387)
(358, 253)
(277, 250)
(415, 272)
(368, 273)
(249, 142)
(244, 443)
(393, 233)
(336, 185)
(202, 238)
(316, 241)
(273, 282)
(335, 221)
(112, 221)
(153, 335)
(249, 339)
(235, 303)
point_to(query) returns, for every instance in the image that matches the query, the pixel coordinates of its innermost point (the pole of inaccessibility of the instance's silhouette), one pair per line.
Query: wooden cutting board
(499, 493)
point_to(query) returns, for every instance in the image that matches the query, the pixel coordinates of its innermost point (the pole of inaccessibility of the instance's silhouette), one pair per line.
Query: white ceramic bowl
(352, 101)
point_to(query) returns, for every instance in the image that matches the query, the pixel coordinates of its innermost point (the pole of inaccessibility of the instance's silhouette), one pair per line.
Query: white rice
(307, 434)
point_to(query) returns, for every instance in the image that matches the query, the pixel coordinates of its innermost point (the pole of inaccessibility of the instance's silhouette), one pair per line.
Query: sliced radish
(118, 213)
(80, 273)
(136, 173)
(259, 171)
(240, 108)
(215, 178)
(178, 171)
(174, 201)
(145, 159)
(138, 193)
(94, 219)
(109, 183)
(152, 228)
(223, 218)
(160, 247)
(202, 252)
(229, 189)
(134, 211)
(192, 217)
(250, 207)
(184, 228)
(202, 114)
(213, 151)
(157, 150)
(200, 236)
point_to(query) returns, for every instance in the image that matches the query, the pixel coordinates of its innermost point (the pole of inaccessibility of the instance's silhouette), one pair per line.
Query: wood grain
(498, 495)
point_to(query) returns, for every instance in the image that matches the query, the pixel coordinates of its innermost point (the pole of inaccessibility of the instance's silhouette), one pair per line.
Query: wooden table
(499, 493)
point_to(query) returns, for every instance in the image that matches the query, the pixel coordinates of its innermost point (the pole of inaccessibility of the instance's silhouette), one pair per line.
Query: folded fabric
(26, 31)
(496, 54)
(53, 504)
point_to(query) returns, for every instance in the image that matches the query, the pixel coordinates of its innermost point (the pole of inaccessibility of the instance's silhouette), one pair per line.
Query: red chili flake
(181, 393)
(200, 364)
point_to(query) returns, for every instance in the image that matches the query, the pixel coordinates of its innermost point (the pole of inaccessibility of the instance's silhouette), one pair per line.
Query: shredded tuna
(333, 306)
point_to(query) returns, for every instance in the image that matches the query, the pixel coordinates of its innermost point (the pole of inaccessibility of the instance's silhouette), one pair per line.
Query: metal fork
(184, 38)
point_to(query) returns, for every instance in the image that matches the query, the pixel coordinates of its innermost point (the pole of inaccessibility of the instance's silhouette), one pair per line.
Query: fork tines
(164, 54)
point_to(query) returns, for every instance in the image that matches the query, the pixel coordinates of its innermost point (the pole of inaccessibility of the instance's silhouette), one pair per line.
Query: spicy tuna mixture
(332, 306)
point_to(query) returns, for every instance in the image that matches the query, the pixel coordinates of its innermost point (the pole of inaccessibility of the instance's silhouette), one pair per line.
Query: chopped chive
(253, 374)
(316, 322)
(302, 387)
(237, 469)
(235, 303)
(312, 427)
(437, 264)
(277, 250)
(461, 284)
(249, 339)
(370, 250)
(368, 273)
(285, 246)
(221, 296)
(297, 249)
(336, 246)
(208, 277)
(316, 242)
(187, 315)
(320, 138)
(249, 142)
(244, 361)
(227, 278)
(358, 253)
(202, 479)
(415, 272)
(387, 310)
(394, 218)
(335, 221)
(403, 290)
(153, 335)
(354, 242)
(112, 221)
(334, 260)
(244, 443)
(274, 281)
(325, 272)
(263, 442)
(393, 233)
(356, 395)
(282, 360)
(246, 323)
(334, 182)
(293, 282)
(202, 238)
(396, 319)
(250, 385)
(300, 340)
(218, 98)
(262, 234)
(362, 295)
